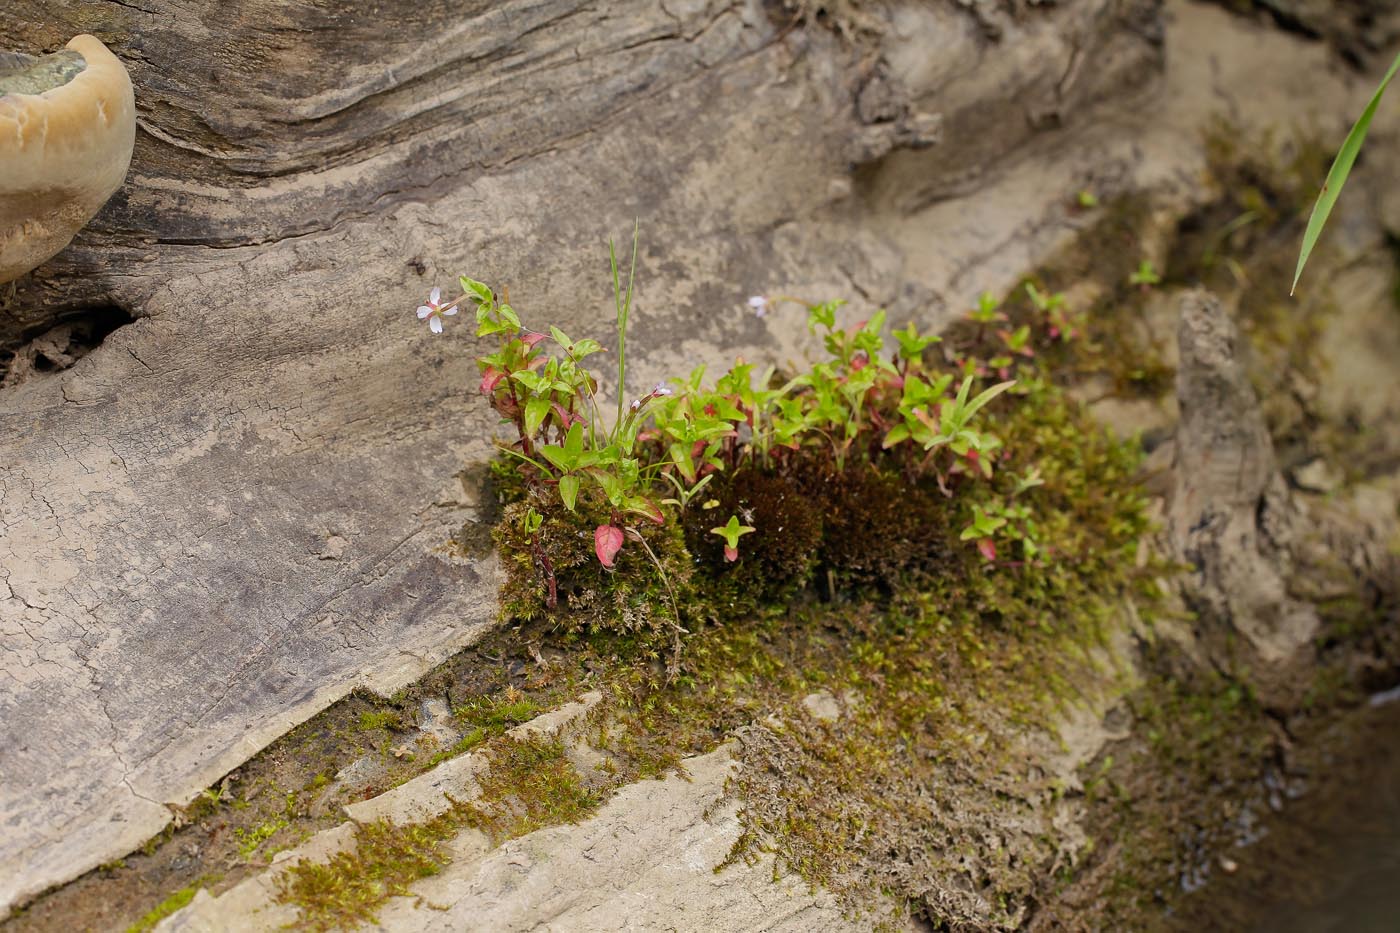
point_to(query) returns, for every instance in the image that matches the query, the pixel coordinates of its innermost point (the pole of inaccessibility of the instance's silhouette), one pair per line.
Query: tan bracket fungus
(67, 127)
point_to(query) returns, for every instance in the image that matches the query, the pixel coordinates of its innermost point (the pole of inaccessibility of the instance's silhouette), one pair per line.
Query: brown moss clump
(880, 528)
(778, 557)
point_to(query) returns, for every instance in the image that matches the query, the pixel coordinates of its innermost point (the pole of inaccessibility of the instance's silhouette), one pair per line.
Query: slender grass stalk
(624, 310)
(1337, 174)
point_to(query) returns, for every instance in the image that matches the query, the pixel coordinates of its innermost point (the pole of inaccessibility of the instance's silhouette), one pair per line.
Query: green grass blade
(1337, 175)
(624, 309)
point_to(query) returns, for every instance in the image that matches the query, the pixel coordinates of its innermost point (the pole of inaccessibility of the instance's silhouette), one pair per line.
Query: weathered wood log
(232, 510)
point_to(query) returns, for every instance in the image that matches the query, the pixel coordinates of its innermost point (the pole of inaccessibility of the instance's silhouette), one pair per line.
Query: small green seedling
(731, 533)
(1146, 275)
(988, 310)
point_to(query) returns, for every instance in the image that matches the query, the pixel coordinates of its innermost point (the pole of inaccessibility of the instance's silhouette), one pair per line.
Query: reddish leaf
(568, 419)
(651, 510)
(607, 541)
(731, 554)
(490, 379)
(530, 338)
(988, 548)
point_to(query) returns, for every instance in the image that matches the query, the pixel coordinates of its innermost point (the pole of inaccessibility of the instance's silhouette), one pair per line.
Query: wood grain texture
(233, 510)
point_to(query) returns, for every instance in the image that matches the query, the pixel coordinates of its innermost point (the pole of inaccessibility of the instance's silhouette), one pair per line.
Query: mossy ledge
(937, 662)
(933, 772)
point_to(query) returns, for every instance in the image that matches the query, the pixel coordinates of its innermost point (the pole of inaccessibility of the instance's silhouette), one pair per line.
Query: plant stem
(624, 308)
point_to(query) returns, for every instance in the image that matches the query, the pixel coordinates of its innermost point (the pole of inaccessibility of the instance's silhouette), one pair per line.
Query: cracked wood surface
(232, 512)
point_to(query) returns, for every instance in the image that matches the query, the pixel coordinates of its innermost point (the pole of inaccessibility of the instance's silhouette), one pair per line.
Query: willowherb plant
(862, 405)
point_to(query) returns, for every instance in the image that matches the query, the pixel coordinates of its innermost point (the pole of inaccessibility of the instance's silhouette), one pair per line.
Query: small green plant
(731, 532)
(865, 406)
(1086, 199)
(988, 310)
(249, 840)
(1146, 275)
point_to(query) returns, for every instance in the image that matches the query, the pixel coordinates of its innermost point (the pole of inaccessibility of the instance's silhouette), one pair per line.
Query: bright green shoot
(1337, 175)
(731, 533)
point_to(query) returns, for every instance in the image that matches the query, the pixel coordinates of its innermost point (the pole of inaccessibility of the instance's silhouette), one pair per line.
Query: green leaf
(897, 435)
(556, 455)
(573, 442)
(823, 315)
(479, 291)
(536, 410)
(610, 483)
(532, 381)
(1337, 175)
(961, 400)
(488, 327)
(568, 490)
(560, 337)
(986, 397)
(508, 313)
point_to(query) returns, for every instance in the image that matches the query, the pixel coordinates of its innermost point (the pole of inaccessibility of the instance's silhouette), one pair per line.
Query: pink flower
(659, 390)
(759, 305)
(434, 311)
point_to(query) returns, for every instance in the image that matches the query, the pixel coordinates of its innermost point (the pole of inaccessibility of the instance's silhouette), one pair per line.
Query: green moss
(463, 745)
(165, 908)
(936, 683)
(1177, 793)
(350, 888)
(379, 719)
(553, 576)
(529, 784)
(490, 712)
(249, 840)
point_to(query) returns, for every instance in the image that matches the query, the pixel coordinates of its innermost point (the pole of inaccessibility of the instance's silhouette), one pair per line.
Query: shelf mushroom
(67, 127)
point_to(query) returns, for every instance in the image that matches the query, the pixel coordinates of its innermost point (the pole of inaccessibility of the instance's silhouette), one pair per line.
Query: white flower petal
(450, 311)
(435, 295)
(424, 311)
(758, 301)
(435, 325)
